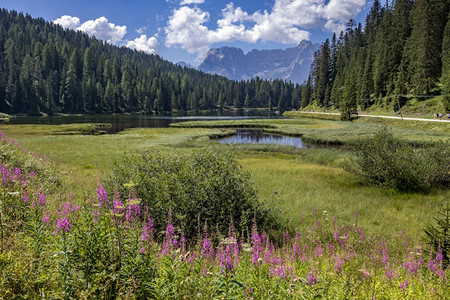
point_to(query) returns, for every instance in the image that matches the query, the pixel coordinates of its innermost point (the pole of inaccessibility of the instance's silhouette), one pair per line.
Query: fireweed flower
(169, 242)
(338, 264)
(133, 210)
(432, 266)
(389, 274)
(102, 196)
(256, 244)
(26, 198)
(18, 173)
(46, 218)
(366, 275)
(148, 231)
(42, 199)
(63, 225)
(207, 248)
(311, 279)
(318, 251)
(118, 208)
(404, 286)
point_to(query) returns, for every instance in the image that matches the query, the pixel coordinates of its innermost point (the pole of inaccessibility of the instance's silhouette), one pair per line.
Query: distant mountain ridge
(291, 64)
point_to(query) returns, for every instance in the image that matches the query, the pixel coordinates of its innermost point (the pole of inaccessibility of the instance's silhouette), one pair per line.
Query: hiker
(435, 115)
(448, 116)
(440, 116)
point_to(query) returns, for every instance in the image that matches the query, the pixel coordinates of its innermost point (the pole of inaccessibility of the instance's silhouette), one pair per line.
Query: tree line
(45, 68)
(403, 49)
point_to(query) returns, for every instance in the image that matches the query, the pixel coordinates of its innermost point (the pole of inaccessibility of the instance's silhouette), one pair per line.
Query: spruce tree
(445, 79)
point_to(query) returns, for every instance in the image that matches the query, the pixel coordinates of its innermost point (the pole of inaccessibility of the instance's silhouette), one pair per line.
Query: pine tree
(445, 79)
(306, 93)
(426, 43)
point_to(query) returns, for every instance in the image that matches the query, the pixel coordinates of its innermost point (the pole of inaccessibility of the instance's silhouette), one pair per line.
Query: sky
(184, 30)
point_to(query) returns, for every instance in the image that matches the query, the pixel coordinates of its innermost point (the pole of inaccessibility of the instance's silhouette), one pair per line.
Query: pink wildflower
(63, 225)
(311, 279)
(102, 196)
(42, 199)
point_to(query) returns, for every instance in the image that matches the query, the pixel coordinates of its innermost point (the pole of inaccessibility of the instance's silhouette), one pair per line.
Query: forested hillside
(403, 49)
(47, 69)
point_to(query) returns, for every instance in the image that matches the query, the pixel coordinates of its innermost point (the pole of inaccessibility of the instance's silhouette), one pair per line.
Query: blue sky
(184, 30)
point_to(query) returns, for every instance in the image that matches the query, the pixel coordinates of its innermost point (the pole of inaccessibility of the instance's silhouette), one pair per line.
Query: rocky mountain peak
(288, 64)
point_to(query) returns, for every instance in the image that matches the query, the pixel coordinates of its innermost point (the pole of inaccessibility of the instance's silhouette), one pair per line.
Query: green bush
(388, 161)
(437, 235)
(206, 187)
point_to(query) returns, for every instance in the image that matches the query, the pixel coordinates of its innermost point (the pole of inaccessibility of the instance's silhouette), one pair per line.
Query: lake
(259, 137)
(123, 122)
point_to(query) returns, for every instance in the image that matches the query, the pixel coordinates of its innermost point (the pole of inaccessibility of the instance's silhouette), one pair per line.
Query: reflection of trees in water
(257, 136)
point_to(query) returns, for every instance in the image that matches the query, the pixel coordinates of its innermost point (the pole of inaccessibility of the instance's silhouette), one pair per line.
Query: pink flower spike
(63, 225)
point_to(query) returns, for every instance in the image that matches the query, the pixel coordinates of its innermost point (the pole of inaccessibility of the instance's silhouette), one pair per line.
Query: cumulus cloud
(186, 2)
(104, 30)
(100, 28)
(288, 22)
(148, 45)
(68, 22)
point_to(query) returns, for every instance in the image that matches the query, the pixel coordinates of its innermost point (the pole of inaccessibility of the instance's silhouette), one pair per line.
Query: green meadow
(300, 184)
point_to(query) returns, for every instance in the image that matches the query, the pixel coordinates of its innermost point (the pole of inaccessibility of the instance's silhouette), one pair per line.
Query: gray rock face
(290, 64)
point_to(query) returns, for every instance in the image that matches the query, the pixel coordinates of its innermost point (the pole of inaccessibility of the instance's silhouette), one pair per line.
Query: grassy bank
(297, 181)
(331, 131)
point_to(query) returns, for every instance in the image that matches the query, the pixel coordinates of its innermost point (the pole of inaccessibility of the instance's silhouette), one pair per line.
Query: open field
(296, 181)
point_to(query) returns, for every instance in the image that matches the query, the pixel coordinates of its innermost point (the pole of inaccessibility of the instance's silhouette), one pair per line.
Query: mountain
(185, 64)
(291, 64)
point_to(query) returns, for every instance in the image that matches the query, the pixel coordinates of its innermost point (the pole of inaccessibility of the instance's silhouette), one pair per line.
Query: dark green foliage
(45, 68)
(437, 236)
(207, 188)
(445, 79)
(398, 53)
(390, 162)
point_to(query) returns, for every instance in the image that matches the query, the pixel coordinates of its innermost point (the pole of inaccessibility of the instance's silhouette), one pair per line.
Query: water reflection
(258, 137)
(122, 122)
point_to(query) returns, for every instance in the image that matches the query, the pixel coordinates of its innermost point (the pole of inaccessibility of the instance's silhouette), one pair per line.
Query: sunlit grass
(296, 180)
(83, 156)
(336, 132)
(299, 185)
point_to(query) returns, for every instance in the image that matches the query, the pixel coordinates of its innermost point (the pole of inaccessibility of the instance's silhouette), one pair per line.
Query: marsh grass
(295, 180)
(336, 132)
(298, 184)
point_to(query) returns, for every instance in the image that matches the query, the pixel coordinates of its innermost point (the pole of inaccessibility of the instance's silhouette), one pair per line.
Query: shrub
(206, 187)
(437, 236)
(388, 161)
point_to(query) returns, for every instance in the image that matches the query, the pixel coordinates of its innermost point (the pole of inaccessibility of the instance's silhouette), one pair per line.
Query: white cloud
(141, 30)
(100, 28)
(104, 30)
(68, 22)
(287, 23)
(187, 2)
(148, 45)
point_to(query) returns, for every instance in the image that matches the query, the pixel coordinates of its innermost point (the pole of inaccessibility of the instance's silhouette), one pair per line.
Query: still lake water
(258, 137)
(122, 122)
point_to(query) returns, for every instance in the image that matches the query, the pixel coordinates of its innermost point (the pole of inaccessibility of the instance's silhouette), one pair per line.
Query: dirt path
(444, 118)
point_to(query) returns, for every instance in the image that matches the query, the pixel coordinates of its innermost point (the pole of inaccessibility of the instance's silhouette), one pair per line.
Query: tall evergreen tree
(445, 79)
(425, 43)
